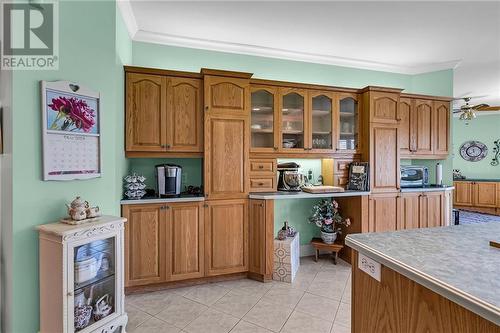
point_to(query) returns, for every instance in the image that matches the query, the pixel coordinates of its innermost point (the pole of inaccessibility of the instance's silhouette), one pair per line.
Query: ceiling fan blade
(489, 108)
(471, 97)
(479, 106)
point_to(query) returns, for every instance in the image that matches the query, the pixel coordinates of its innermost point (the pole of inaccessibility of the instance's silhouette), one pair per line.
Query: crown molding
(128, 17)
(139, 35)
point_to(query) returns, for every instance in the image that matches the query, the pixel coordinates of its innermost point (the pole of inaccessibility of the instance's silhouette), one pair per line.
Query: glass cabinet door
(262, 119)
(348, 137)
(94, 282)
(322, 121)
(292, 119)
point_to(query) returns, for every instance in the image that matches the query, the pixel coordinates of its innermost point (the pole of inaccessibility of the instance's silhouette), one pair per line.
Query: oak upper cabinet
(441, 127)
(384, 107)
(227, 95)
(145, 244)
(322, 115)
(185, 240)
(424, 133)
(146, 112)
(184, 115)
(406, 126)
(384, 157)
(293, 119)
(163, 114)
(431, 209)
(348, 123)
(410, 210)
(484, 194)
(226, 157)
(261, 239)
(264, 123)
(463, 193)
(226, 236)
(383, 212)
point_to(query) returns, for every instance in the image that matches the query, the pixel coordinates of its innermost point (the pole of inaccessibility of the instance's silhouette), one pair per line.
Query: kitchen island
(426, 280)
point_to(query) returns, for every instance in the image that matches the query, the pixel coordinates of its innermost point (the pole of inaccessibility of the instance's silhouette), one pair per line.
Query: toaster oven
(414, 176)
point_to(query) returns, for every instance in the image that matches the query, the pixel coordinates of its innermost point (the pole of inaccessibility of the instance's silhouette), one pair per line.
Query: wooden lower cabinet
(477, 196)
(163, 242)
(261, 239)
(145, 244)
(383, 212)
(226, 236)
(422, 210)
(185, 241)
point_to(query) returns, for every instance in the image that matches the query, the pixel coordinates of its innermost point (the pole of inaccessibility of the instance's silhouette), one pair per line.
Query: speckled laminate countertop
(456, 262)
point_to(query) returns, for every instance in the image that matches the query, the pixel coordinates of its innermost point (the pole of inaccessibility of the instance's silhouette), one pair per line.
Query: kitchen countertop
(476, 180)
(456, 262)
(153, 200)
(304, 195)
(427, 189)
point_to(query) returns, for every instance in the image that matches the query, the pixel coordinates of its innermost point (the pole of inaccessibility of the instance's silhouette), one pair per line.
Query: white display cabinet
(81, 276)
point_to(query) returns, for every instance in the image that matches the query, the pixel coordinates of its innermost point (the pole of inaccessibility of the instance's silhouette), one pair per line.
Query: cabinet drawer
(259, 166)
(341, 180)
(263, 184)
(342, 166)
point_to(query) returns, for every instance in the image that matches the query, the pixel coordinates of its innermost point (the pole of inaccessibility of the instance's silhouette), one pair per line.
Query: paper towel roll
(439, 174)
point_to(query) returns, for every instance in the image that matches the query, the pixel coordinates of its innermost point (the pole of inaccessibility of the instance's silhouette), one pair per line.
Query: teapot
(87, 268)
(103, 307)
(77, 209)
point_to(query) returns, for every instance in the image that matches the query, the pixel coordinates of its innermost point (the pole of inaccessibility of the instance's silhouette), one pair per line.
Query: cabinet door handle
(168, 146)
(261, 205)
(261, 167)
(205, 205)
(70, 293)
(261, 184)
(206, 108)
(275, 148)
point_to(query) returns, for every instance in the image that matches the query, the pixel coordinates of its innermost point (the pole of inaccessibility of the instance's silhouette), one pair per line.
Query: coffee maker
(168, 180)
(289, 178)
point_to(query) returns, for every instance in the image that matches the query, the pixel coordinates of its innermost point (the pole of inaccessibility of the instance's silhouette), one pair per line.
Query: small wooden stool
(318, 244)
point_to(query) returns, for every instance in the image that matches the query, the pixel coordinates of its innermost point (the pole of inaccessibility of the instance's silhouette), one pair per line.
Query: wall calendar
(71, 131)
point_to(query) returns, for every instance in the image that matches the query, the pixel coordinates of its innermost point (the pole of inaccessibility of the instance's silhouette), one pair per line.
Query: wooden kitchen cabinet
(410, 210)
(226, 236)
(226, 157)
(384, 158)
(484, 194)
(348, 124)
(383, 212)
(441, 127)
(463, 193)
(384, 107)
(264, 117)
(225, 95)
(322, 116)
(431, 209)
(185, 240)
(184, 115)
(163, 114)
(145, 244)
(294, 120)
(163, 242)
(406, 126)
(261, 239)
(424, 132)
(146, 112)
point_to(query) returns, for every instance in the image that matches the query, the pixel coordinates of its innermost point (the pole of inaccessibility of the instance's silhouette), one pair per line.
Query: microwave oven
(414, 176)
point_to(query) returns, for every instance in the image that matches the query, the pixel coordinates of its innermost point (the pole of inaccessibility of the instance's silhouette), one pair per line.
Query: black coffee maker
(168, 180)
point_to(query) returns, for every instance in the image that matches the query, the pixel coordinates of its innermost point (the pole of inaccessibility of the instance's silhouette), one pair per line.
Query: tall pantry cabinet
(226, 170)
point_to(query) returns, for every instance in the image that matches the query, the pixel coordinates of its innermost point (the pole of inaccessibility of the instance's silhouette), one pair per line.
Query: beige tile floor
(319, 300)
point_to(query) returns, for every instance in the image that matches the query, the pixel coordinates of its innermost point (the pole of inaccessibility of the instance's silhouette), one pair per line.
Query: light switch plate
(369, 266)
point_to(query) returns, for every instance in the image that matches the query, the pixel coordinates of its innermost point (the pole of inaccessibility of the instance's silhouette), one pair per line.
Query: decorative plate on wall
(473, 151)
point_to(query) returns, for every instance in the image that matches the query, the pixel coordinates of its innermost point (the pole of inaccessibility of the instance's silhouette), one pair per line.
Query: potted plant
(325, 215)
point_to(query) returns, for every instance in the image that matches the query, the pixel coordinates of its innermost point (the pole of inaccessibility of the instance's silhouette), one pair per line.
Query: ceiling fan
(468, 111)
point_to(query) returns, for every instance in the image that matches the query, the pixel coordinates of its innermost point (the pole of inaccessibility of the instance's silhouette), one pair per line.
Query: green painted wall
(88, 55)
(485, 129)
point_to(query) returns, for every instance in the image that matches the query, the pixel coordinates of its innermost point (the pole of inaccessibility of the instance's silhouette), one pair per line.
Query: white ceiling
(403, 37)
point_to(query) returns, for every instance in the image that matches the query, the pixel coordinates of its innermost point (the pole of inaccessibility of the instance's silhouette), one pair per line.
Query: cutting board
(322, 189)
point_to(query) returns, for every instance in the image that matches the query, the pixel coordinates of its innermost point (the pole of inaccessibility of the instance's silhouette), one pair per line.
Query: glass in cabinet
(292, 119)
(321, 121)
(348, 125)
(263, 120)
(94, 283)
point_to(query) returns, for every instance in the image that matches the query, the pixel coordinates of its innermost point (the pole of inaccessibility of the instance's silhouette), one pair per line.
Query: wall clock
(473, 151)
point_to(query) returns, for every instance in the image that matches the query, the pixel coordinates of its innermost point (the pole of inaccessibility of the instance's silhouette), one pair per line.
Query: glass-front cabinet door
(322, 121)
(348, 123)
(293, 119)
(93, 283)
(264, 136)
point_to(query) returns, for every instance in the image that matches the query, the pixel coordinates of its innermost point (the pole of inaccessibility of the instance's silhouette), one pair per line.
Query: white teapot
(77, 209)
